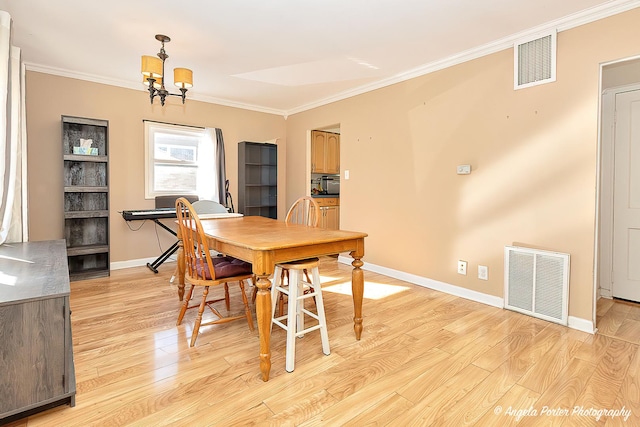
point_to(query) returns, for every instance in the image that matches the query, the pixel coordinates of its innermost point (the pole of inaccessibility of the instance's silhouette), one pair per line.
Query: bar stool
(295, 309)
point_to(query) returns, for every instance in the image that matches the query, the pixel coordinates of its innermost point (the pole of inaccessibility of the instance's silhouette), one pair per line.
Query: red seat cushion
(224, 267)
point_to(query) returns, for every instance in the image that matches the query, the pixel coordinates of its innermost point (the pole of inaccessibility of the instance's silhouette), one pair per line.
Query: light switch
(346, 174)
(463, 169)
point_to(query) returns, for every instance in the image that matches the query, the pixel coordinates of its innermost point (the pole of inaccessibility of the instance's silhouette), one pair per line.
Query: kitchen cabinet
(36, 354)
(325, 152)
(329, 212)
(86, 196)
(258, 179)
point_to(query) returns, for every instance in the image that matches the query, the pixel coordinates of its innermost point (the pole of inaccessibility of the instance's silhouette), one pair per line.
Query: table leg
(263, 314)
(357, 288)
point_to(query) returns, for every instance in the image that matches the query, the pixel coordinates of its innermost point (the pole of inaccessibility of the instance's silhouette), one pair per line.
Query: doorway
(619, 206)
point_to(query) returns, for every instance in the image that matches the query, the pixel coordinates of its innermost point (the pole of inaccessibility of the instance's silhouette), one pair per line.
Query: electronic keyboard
(149, 214)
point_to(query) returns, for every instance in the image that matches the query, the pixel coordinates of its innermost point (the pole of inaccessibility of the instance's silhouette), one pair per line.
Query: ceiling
(280, 56)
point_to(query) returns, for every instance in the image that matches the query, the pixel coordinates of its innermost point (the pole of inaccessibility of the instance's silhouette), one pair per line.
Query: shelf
(93, 273)
(85, 189)
(86, 214)
(85, 158)
(88, 249)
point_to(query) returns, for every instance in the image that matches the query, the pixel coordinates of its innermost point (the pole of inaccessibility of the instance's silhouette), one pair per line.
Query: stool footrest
(309, 329)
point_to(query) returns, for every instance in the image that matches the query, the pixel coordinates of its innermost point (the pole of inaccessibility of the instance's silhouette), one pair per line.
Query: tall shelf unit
(86, 197)
(258, 179)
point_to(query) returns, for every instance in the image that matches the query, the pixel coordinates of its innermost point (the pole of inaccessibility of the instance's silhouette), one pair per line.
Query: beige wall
(533, 154)
(49, 97)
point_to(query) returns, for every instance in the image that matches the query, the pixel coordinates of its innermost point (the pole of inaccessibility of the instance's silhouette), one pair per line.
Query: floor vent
(537, 283)
(535, 61)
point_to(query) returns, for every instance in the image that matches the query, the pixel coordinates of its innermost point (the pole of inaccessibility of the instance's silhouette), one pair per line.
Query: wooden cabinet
(325, 152)
(36, 355)
(329, 212)
(86, 196)
(258, 179)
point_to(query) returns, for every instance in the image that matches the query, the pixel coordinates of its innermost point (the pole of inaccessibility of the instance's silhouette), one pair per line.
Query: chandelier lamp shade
(153, 74)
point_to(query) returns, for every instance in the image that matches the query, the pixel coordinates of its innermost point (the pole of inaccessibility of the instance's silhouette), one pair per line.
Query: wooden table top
(263, 234)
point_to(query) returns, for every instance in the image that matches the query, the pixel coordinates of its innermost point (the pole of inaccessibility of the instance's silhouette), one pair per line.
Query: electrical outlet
(483, 272)
(463, 169)
(462, 267)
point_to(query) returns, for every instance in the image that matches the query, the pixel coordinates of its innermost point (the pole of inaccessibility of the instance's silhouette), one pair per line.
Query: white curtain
(211, 182)
(13, 205)
(206, 182)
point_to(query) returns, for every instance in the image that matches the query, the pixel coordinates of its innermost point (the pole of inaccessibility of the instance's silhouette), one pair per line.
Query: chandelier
(153, 74)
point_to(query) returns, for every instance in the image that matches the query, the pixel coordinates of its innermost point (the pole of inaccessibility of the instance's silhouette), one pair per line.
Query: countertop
(319, 196)
(33, 270)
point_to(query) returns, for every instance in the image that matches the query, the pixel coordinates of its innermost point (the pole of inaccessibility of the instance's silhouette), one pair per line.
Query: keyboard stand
(165, 213)
(162, 258)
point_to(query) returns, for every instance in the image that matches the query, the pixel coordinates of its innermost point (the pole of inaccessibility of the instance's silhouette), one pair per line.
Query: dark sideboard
(36, 355)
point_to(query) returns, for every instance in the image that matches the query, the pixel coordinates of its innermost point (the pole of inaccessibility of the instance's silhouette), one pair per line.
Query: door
(332, 153)
(332, 218)
(318, 141)
(626, 197)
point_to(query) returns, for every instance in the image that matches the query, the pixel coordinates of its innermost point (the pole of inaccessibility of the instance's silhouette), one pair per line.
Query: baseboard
(573, 322)
(580, 324)
(605, 293)
(141, 262)
(430, 283)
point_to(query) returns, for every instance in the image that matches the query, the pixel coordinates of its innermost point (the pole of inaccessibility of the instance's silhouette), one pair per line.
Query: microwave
(331, 184)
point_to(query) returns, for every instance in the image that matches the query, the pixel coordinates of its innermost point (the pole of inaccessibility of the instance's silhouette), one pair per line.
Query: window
(178, 160)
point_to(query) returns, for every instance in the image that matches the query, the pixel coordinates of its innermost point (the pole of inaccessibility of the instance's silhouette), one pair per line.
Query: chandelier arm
(182, 95)
(152, 89)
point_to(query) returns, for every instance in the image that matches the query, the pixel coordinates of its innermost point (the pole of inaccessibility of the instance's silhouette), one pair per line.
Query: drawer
(327, 201)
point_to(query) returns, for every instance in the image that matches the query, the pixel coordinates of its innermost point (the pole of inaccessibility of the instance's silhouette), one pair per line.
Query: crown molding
(611, 8)
(30, 66)
(571, 21)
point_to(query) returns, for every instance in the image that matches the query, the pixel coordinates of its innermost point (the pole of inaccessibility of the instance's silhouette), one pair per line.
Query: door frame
(603, 266)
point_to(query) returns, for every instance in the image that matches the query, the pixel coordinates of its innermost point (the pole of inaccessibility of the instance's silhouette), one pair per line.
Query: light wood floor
(425, 358)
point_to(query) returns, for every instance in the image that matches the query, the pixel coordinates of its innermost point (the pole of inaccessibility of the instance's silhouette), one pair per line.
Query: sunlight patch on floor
(325, 279)
(372, 290)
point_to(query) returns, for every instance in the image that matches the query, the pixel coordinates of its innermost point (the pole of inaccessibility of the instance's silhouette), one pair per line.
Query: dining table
(265, 242)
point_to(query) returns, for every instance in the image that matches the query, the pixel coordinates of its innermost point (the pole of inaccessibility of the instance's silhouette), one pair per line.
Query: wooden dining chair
(203, 270)
(305, 211)
(204, 206)
(201, 207)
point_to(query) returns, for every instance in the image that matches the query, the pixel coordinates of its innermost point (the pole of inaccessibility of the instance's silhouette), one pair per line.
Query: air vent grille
(535, 61)
(537, 283)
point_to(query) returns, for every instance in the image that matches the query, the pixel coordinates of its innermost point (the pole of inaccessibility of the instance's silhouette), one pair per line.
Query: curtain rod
(174, 124)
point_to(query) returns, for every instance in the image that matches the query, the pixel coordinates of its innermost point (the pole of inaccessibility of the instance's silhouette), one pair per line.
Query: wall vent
(535, 61)
(537, 283)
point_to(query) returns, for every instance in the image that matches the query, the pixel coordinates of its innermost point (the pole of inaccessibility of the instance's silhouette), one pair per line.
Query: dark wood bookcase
(258, 179)
(86, 197)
